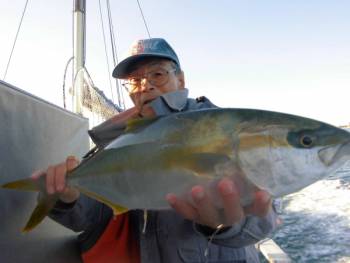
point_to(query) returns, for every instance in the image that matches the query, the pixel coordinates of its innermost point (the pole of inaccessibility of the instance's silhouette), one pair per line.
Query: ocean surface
(316, 221)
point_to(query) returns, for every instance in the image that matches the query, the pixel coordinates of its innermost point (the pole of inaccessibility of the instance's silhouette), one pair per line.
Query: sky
(286, 56)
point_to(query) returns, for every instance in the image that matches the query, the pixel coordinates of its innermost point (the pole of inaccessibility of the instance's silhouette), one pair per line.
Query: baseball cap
(140, 49)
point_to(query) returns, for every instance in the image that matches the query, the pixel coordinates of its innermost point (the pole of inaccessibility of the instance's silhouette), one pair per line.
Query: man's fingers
(56, 175)
(37, 174)
(264, 202)
(50, 180)
(182, 207)
(208, 214)
(261, 205)
(231, 202)
(71, 163)
(60, 177)
(55, 179)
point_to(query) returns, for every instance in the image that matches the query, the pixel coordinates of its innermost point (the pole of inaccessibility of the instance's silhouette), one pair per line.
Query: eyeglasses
(156, 77)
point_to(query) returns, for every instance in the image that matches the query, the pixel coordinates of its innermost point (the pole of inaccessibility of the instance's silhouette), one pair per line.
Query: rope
(13, 47)
(144, 20)
(105, 45)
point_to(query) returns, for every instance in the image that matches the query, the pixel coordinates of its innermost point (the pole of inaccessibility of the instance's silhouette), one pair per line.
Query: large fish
(276, 152)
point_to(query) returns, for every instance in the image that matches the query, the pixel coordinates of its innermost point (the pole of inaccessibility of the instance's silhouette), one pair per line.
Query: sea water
(316, 222)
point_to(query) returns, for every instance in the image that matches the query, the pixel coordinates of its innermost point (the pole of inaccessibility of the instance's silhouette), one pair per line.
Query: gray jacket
(168, 237)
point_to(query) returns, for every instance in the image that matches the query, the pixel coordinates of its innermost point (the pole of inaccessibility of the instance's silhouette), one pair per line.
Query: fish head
(287, 155)
(321, 151)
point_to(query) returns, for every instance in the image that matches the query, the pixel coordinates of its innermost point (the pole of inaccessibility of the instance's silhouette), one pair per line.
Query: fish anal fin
(42, 209)
(117, 209)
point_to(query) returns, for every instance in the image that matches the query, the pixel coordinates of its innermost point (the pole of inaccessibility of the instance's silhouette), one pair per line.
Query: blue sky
(288, 56)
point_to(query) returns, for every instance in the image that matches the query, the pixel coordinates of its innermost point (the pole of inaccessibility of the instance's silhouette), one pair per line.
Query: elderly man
(155, 82)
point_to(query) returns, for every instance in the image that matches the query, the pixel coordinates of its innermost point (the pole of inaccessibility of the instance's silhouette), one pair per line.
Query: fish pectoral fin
(117, 209)
(203, 163)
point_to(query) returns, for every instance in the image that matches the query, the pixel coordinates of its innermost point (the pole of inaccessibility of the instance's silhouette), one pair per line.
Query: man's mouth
(147, 101)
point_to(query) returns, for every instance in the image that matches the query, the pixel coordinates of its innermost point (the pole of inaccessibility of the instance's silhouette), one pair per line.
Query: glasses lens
(158, 77)
(128, 86)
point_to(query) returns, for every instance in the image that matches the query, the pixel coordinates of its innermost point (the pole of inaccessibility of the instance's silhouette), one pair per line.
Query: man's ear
(181, 79)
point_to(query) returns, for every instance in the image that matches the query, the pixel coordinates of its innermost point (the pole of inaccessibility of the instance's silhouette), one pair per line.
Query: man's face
(151, 80)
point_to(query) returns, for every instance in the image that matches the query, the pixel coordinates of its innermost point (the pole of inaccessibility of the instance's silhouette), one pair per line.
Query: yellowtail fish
(275, 152)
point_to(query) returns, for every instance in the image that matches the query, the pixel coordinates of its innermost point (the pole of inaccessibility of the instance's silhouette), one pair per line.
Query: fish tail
(27, 184)
(45, 204)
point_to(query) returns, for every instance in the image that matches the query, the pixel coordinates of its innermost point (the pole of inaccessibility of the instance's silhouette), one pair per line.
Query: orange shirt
(117, 244)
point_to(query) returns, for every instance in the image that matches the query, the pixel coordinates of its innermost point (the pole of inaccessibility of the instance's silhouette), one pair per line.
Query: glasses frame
(132, 87)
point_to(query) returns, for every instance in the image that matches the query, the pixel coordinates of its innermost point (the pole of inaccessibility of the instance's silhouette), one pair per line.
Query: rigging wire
(13, 46)
(105, 45)
(114, 55)
(73, 48)
(143, 17)
(111, 32)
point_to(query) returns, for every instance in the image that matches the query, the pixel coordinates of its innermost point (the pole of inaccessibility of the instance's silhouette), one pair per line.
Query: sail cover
(34, 134)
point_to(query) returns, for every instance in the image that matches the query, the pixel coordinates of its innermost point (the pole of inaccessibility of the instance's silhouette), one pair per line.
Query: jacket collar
(113, 127)
(170, 102)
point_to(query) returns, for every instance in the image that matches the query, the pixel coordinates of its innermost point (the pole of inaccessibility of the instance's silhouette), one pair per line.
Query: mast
(79, 52)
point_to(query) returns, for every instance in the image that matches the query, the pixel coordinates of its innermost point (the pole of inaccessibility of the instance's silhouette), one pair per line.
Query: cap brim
(124, 68)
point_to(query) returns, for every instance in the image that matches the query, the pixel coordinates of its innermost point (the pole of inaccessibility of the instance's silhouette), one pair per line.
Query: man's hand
(203, 212)
(55, 176)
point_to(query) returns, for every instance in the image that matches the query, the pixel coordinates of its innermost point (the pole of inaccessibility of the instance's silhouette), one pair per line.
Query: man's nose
(145, 85)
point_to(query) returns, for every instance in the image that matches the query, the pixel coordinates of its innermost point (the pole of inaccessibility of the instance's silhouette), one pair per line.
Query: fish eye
(306, 141)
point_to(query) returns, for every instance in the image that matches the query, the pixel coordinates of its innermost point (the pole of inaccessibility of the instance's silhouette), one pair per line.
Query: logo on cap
(138, 48)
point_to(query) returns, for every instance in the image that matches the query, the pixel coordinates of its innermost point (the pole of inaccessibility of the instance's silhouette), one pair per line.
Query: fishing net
(95, 105)
(95, 101)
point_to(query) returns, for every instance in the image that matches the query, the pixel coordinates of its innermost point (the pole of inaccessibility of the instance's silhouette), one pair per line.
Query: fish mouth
(331, 154)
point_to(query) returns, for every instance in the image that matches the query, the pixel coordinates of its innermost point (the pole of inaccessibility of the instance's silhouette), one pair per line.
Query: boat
(35, 133)
(28, 123)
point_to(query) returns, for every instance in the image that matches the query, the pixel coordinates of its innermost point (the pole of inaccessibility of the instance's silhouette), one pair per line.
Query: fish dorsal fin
(117, 209)
(135, 124)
